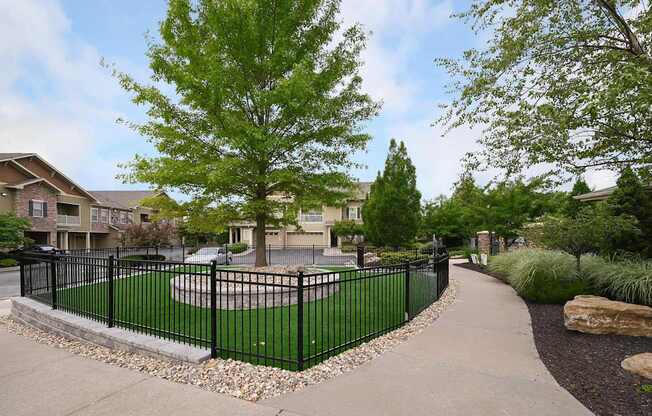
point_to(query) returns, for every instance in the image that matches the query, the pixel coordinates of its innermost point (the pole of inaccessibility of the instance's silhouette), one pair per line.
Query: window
(271, 233)
(38, 209)
(354, 213)
(124, 218)
(312, 216)
(130, 218)
(104, 216)
(95, 215)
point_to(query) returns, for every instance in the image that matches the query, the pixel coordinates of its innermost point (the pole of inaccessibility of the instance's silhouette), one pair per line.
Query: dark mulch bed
(588, 366)
(479, 269)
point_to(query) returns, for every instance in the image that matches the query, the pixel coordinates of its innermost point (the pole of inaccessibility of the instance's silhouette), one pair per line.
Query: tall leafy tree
(572, 205)
(631, 197)
(565, 82)
(392, 212)
(266, 101)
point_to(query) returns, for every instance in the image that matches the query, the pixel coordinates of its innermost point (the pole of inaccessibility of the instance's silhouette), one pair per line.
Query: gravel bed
(236, 378)
(588, 366)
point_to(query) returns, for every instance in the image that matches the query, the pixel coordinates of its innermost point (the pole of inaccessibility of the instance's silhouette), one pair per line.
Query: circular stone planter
(241, 289)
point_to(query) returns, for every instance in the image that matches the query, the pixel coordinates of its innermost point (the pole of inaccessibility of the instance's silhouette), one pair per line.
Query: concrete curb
(42, 316)
(9, 269)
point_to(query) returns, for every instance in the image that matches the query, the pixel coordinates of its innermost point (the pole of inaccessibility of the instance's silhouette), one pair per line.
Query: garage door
(273, 238)
(296, 238)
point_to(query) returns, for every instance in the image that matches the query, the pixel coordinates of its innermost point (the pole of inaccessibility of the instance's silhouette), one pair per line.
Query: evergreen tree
(572, 205)
(631, 197)
(392, 213)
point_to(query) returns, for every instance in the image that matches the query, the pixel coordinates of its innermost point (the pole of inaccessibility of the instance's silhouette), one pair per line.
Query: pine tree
(392, 213)
(573, 206)
(631, 197)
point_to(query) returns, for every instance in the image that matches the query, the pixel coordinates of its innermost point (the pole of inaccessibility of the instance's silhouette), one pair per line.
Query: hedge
(389, 258)
(236, 248)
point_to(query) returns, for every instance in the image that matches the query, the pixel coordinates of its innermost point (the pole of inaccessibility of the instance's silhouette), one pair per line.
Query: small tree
(591, 231)
(347, 229)
(12, 231)
(392, 213)
(155, 234)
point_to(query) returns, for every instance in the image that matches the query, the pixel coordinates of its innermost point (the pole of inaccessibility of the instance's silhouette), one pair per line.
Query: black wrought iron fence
(290, 320)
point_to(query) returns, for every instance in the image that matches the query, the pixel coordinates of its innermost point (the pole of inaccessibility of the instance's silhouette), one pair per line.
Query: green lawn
(366, 305)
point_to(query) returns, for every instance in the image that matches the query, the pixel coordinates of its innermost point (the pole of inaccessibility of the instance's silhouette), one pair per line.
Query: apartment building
(61, 212)
(316, 226)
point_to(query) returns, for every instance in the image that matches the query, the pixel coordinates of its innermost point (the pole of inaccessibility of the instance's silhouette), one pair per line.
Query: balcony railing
(68, 220)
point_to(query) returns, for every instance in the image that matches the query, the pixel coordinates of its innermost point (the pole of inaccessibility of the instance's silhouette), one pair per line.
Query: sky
(58, 101)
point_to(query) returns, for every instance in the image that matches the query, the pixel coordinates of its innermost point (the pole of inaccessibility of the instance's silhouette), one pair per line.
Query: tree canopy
(572, 205)
(266, 101)
(565, 82)
(392, 212)
(12, 231)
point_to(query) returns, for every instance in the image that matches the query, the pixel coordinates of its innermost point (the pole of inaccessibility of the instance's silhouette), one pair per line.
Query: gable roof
(600, 194)
(23, 184)
(124, 199)
(12, 157)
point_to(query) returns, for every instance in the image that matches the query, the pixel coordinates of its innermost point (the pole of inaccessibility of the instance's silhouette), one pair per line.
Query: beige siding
(332, 214)
(84, 211)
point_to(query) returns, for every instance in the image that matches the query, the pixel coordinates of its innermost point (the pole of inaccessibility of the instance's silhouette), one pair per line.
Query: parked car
(208, 254)
(35, 248)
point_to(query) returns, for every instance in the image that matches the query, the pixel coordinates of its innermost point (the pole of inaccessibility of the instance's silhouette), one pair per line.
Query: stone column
(484, 242)
(88, 240)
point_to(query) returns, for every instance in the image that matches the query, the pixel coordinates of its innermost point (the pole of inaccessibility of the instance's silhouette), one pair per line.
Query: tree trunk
(261, 258)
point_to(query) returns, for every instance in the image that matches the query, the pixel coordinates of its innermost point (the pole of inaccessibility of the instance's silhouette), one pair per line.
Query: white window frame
(40, 204)
(95, 215)
(124, 217)
(312, 216)
(357, 213)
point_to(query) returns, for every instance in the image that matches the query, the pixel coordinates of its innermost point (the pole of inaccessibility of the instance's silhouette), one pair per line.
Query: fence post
(183, 252)
(22, 279)
(110, 311)
(360, 255)
(269, 254)
(300, 321)
(214, 309)
(313, 254)
(53, 277)
(226, 253)
(407, 292)
(156, 251)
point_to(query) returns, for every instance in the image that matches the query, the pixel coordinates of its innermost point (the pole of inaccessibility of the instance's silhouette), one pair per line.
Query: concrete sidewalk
(40, 380)
(478, 358)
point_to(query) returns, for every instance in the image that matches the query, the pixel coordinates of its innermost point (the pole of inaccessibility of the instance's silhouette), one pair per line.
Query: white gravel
(236, 378)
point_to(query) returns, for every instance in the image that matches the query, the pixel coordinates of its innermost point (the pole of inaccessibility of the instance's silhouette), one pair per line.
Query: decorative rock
(640, 364)
(598, 315)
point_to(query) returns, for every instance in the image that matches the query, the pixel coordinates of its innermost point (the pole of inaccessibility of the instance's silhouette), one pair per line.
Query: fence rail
(287, 320)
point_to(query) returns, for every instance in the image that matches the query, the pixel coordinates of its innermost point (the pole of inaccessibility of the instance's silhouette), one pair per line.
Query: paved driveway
(9, 284)
(289, 256)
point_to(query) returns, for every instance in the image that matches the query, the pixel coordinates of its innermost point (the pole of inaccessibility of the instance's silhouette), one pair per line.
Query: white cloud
(54, 96)
(396, 26)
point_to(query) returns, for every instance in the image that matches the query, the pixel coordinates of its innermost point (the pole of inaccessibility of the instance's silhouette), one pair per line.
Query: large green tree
(392, 212)
(564, 82)
(252, 99)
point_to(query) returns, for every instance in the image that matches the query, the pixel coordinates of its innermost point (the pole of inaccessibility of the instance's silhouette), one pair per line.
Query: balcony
(73, 220)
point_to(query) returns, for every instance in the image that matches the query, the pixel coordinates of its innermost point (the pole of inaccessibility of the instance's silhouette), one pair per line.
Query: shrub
(236, 248)
(390, 258)
(348, 248)
(541, 276)
(8, 263)
(626, 281)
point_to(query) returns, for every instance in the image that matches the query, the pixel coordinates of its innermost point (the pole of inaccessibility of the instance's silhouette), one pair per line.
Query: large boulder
(640, 364)
(598, 315)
